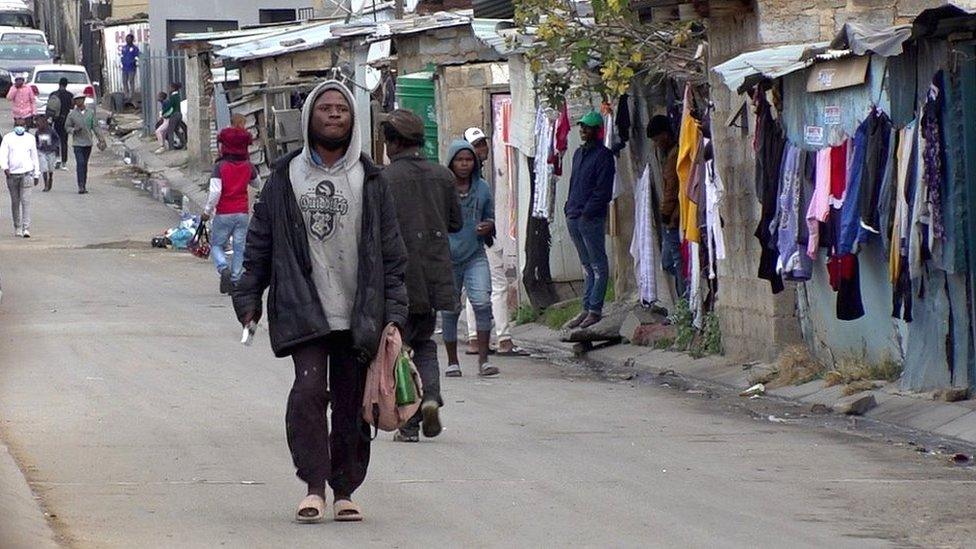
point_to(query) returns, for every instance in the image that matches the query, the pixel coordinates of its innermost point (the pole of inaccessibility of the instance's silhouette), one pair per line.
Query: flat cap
(407, 124)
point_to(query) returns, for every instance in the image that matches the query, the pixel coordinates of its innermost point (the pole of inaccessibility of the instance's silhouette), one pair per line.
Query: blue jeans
(589, 235)
(671, 258)
(224, 227)
(82, 154)
(474, 275)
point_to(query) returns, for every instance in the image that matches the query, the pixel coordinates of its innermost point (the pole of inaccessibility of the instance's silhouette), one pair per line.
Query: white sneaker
(26, 233)
(160, 150)
(18, 232)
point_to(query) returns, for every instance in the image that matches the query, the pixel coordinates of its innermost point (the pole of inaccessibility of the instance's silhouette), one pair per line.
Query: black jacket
(277, 257)
(427, 209)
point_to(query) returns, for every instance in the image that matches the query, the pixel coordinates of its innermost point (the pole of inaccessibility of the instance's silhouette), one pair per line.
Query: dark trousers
(63, 135)
(175, 120)
(589, 235)
(417, 335)
(327, 370)
(82, 154)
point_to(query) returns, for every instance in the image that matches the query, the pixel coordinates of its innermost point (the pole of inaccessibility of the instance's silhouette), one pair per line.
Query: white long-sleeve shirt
(18, 154)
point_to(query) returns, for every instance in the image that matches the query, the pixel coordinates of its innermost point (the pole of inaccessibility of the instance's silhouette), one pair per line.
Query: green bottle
(406, 389)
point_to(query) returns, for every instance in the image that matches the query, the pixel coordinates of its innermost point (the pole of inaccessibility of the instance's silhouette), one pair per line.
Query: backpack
(379, 397)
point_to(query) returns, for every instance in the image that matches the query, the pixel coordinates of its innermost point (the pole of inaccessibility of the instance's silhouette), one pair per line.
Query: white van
(14, 13)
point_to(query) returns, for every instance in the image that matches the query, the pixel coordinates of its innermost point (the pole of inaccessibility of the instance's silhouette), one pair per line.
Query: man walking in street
(427, 210)
(660, 132)
(58, 108)
(83, 127)
(496, 263)
(325, 242)
(590, 191)
(23, 99)
(468, 256)
(48, 150)
(228, 205)
(130, 64)
(18, 159)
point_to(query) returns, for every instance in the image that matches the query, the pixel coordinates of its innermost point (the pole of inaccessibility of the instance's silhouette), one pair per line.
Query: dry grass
(854, 367)
(795, 366)
(859, 386)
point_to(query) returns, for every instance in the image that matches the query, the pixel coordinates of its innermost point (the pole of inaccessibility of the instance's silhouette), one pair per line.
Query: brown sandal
(346, 511)
(314, 503)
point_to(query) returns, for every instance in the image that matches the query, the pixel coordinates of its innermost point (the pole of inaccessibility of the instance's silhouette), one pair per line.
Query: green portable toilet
(415, 92)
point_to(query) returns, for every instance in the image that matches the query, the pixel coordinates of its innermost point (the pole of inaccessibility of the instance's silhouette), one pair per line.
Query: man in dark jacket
(661, 133)
(590, 190)
(427, 209)
(324, 241)
(59, 106)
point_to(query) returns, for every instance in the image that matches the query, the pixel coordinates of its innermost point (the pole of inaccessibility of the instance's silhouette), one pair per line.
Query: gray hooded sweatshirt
(331, 203)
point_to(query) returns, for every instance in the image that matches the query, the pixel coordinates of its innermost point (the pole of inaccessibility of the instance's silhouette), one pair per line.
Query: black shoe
(591, 319)
(225, 284)
(431, 412)
(83, 191)
(577, 321)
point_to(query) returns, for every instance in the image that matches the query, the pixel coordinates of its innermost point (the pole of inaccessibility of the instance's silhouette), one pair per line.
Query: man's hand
(485, 228)
(204, 216)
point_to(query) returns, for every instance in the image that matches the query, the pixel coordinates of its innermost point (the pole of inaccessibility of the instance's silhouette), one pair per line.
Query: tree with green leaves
(602, 53)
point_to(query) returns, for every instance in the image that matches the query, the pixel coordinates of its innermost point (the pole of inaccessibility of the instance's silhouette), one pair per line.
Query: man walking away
(48, 150)
(496, 263)
(590, 191)
(58, 108)
(470, 263)
(227, 204)
(427, 210)
(130, 64)
(18, 158)
(324, 241)
(23, 99)
(83, 127)
(660, 132)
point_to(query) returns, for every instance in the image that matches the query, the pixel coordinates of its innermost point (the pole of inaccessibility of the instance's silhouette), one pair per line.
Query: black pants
(82, 154)
(327, 370)
(417, 334)
(63, 135)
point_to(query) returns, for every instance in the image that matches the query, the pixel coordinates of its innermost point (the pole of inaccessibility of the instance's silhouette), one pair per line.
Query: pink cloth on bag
(820, 202)
(379, 395)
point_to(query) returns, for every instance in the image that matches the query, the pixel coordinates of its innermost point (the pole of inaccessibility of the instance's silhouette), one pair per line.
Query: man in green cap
(590, 190)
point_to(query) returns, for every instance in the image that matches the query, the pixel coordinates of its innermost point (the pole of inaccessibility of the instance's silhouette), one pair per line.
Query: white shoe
(19, 232)
(160, 150)
(26, 233)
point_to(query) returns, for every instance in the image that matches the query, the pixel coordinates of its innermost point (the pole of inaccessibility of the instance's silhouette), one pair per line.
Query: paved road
(141, 422)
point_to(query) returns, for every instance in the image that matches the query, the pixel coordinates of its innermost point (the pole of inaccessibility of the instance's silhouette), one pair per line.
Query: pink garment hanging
(820, 201)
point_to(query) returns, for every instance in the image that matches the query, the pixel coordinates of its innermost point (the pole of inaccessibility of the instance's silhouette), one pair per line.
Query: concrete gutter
(23, 524)
(905, 410)
(170, 169)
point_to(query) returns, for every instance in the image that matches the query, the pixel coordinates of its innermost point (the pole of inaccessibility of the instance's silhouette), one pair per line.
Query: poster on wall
(831, 115)
(113, 39)
(813, 135)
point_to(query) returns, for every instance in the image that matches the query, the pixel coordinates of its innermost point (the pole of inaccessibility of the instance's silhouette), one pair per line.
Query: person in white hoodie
(18, 158)
(325, 242)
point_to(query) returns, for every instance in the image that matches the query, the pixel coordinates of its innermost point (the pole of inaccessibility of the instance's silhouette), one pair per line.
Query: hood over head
(459, 145)
(354, 150)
